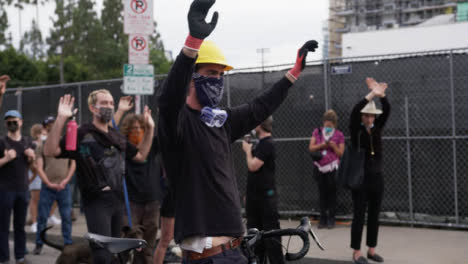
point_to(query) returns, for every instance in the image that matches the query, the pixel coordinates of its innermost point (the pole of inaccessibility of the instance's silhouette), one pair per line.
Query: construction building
(347, 16)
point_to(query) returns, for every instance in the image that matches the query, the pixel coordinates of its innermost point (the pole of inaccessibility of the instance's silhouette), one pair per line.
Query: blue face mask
(213, 117)
(371, 126)
(209, 89)
(328, 130)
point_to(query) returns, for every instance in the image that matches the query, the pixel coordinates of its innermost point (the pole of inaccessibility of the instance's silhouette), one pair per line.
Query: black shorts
(168, 205)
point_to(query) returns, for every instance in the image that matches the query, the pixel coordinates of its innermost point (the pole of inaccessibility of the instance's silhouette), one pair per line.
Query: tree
(157, 53)
(32, 44)
(3, 26)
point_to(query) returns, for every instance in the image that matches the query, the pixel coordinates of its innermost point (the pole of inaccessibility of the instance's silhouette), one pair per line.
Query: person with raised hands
(366, 126)
(3, 81)
(196, 136)
(100, 154)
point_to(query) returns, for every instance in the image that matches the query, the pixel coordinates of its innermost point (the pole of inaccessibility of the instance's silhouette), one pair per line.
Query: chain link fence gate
(425, 139)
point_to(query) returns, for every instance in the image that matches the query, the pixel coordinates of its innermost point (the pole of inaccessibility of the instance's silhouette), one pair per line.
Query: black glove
(310, 45)
(196, 19)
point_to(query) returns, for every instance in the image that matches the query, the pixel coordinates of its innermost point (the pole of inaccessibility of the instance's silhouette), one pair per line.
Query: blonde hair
(92, 98)
(330, 115)
(128, 122)
(35, 131)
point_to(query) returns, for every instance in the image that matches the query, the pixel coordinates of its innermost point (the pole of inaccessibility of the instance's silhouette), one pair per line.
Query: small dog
(80, 252)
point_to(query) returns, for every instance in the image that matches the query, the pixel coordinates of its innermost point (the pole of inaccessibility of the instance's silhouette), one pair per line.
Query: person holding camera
(262, 198)
(327, 145)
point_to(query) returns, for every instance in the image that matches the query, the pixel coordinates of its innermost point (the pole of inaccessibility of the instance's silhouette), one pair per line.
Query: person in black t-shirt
(262, 198)
(196, 137)
(143, 185)
(16, 157)
(100, 157)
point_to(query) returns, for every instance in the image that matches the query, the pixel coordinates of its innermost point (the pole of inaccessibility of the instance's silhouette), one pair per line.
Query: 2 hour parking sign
(138, 79)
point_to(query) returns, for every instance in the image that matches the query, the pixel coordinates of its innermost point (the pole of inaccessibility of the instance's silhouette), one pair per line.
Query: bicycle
(115, 245)
(253, 238)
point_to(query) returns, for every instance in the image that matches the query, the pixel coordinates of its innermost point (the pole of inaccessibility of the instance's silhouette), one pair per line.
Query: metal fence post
(19, 100)
(80, 109)
(325, 82)
(408, 162)
(454, 139)
(228, 90)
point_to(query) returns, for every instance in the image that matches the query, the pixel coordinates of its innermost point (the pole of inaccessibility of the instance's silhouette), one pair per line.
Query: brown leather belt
(208, 252)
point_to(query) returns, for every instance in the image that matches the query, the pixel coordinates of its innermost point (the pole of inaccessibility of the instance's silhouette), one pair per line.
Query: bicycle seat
(116, 245)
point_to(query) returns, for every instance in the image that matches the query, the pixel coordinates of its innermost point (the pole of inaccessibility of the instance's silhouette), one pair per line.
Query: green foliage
(3, 26)
(93, 48)
(32, 44)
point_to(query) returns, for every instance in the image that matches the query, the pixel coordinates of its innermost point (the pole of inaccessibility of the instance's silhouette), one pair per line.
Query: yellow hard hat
(210, 53)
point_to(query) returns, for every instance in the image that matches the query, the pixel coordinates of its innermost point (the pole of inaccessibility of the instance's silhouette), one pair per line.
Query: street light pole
(263, 51)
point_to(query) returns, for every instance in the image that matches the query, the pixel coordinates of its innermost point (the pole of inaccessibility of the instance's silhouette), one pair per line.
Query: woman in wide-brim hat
(366, 125)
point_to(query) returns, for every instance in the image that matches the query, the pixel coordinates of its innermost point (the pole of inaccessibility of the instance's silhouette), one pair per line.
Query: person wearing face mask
(100, 155)
(34, 181)
(16, 157)
(366, 125)
(55, 174)
(195, 138)
(143, 185)
(330, 142)
(262, 198)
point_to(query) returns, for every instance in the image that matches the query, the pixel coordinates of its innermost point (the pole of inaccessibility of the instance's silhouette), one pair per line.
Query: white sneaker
(54, 220)
(34, 227)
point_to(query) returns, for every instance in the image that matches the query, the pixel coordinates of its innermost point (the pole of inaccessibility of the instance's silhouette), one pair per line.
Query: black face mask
(12, 126)
(105, 114)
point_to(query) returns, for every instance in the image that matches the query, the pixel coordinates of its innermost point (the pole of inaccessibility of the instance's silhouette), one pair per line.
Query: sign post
(138, 74)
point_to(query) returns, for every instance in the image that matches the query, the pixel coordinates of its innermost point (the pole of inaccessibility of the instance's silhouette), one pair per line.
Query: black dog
(80, 252)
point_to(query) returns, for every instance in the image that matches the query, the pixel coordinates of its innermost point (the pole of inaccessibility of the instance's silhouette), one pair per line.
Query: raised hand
(3, 81)
(125, 103)
(198, 27)
(65, 108)
(310, 45)
(148, 118)
(377, 88)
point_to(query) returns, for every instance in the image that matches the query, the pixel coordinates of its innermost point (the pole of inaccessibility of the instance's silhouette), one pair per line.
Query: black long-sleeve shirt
(371, 142)
(198, 158)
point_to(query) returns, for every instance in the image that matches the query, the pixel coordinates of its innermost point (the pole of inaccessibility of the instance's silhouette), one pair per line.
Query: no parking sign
(138, 17)
(138, 49)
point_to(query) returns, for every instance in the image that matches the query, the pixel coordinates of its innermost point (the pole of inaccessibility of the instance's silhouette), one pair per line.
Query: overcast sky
(243, 26)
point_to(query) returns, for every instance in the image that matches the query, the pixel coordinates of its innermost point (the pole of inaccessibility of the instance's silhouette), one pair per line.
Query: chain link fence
(425, 140)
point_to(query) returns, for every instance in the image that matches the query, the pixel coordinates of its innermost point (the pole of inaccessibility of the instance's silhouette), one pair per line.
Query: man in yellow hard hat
(196, 136)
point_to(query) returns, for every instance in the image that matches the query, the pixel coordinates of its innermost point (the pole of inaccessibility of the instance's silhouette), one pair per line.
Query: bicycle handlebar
(255, 236)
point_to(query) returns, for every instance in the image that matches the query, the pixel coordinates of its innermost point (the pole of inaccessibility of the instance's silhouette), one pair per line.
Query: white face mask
(43, 137)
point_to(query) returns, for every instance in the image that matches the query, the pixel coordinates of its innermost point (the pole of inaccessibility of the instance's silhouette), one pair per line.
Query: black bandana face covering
(12, 126)
(105, 114)
(209, 89)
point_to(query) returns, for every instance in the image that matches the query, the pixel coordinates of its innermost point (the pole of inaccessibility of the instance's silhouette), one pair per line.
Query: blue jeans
(47, 198)
(18, 202)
